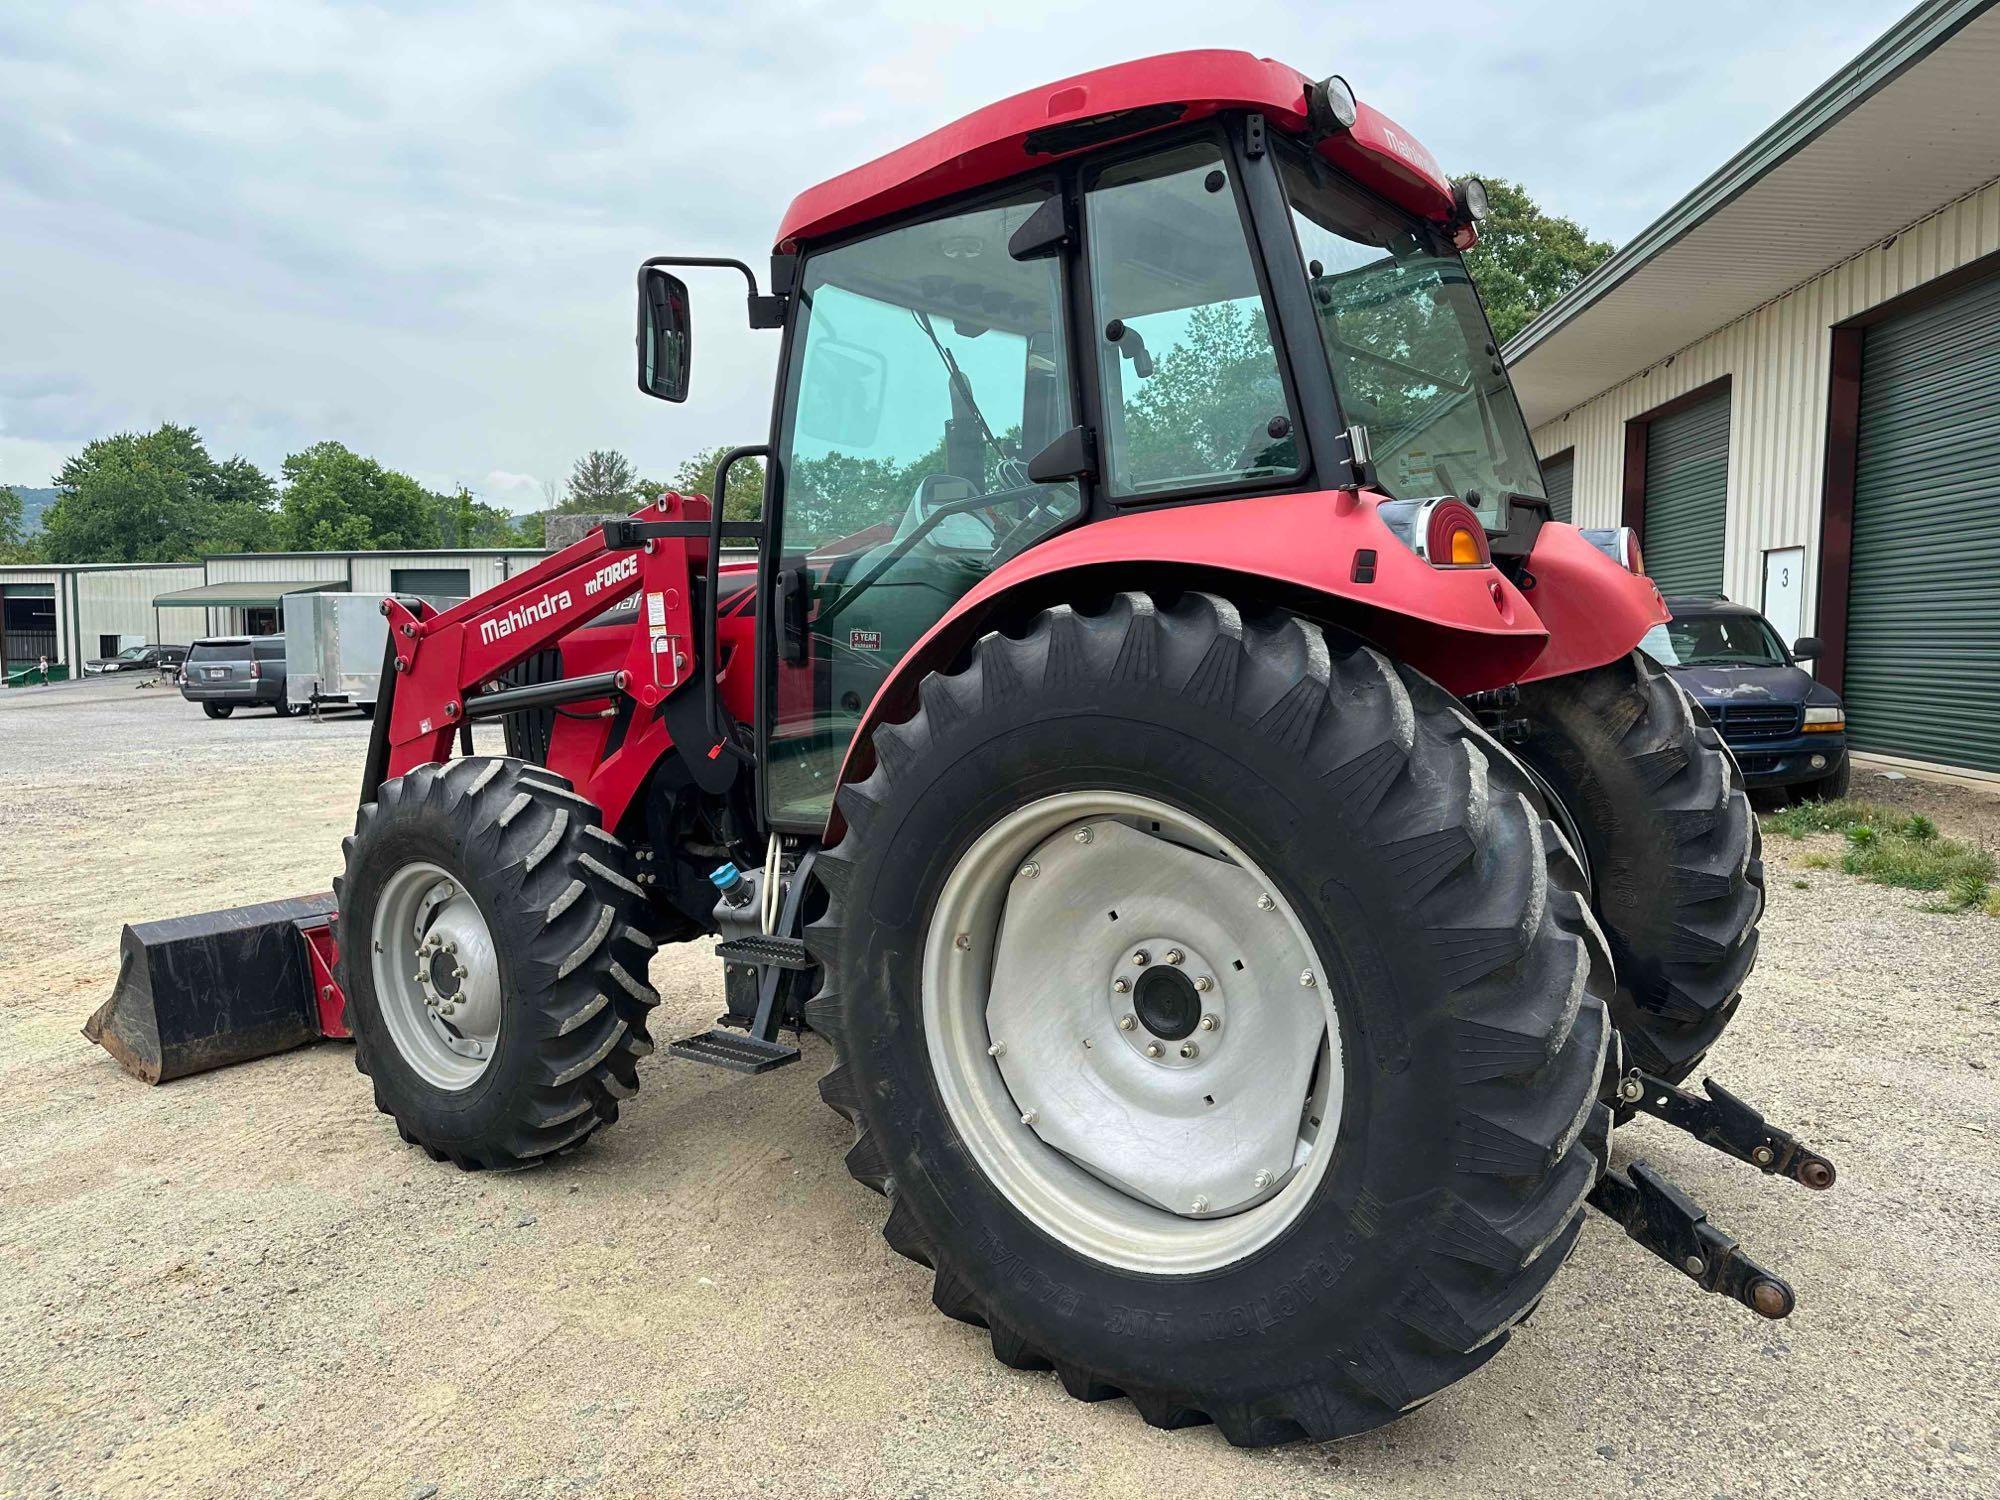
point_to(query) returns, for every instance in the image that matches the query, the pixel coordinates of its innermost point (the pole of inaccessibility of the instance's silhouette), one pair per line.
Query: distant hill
(33, 503)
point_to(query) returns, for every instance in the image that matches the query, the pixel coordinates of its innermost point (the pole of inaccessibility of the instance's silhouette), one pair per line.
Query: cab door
(927, 364)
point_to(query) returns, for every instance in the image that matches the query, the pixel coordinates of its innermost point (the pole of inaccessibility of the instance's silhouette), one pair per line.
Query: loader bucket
(222, 987)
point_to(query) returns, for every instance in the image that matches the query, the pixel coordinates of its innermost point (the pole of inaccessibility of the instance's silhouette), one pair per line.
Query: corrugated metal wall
(1778, 356)
(372, 571)
(119, 601)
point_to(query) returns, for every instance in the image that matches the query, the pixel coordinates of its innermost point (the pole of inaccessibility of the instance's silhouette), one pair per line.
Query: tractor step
(1728, 1124)
(768, 952)
(1674, 1227)
(735, 1050)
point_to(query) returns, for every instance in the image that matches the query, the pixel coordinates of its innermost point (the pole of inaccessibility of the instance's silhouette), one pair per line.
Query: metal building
(1790, 385)
(73, 612)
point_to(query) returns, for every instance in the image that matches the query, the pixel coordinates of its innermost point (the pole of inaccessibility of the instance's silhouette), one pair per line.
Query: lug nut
(1121, 985)
(1203, 983)
(1190, 1051)
(1261, 1180)
(1210, 1021)
(1308, 980)
(1127, 1023)
(1030, 870)
(1152, 1049)
(1265, 903)
(997, 1049)
(1200, 1206)
(1084, 835)
(1142, 958)
(1175, 956)
(1029, 1116)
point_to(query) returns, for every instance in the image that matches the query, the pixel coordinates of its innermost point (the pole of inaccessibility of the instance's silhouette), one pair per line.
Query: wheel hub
(436, 975)
(1147, 1017)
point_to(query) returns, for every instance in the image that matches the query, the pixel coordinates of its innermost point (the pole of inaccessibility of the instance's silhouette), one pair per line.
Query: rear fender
(1595, 610)
(1468, 628)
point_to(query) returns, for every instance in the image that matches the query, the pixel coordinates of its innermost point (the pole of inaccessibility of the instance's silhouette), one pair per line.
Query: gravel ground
(242, 1284)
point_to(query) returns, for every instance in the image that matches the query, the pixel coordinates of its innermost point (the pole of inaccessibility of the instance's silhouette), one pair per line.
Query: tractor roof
(1060, 119)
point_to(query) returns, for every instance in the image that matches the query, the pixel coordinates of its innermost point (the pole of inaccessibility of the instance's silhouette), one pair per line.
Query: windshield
(132, 653)
(1413, 359)
(1715, 641)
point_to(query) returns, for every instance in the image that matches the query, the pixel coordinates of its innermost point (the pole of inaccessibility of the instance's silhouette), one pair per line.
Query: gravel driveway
(243, 1284)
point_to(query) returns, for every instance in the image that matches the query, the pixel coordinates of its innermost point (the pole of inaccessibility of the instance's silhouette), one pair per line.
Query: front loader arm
(443, 670)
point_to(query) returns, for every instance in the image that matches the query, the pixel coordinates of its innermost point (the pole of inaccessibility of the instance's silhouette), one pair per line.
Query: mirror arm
(765, 311)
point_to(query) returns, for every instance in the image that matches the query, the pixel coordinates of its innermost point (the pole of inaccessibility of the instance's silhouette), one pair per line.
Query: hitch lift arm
(1729, 1125)
(1674, 1227)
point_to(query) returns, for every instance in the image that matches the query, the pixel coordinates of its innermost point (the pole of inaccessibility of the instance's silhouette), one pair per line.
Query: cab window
(927, 367)
(1192, 390)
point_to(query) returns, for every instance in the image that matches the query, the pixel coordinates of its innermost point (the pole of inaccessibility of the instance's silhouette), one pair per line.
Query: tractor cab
(1192, 279)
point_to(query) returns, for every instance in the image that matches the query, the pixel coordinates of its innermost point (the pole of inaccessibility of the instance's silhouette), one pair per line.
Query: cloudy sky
(412, 225)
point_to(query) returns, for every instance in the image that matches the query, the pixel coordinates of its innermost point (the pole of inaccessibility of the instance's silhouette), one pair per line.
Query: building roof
(247, 593)
(1036, 128)
(1910, 125)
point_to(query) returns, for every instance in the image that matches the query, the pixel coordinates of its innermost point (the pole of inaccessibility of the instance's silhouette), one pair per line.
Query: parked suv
(230, 672)
(138, 659)
(1785, 729)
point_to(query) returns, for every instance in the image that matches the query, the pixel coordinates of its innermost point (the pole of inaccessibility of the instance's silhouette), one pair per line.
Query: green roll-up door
(1687, 494)
(1923, 604)
(1558, 479)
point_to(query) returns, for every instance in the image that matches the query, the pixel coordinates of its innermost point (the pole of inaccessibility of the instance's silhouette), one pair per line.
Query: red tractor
(1220, 823)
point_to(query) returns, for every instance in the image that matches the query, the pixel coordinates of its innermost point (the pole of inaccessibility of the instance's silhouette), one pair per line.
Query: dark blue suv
(1785, 729)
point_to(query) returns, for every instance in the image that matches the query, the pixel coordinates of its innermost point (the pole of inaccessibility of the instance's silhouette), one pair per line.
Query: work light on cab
(1330, 104)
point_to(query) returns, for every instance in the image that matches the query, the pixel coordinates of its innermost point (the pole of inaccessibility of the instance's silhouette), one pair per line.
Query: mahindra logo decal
(499, 627)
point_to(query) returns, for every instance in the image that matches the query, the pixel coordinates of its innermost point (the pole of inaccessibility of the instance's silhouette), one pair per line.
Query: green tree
(604, 482)
(1525, 258)
(13, 529)
(696, 476)
(154, 497)
(336, 500)
(467, 521)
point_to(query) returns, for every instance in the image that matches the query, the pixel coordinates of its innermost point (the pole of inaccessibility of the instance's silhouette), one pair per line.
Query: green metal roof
(245, 593)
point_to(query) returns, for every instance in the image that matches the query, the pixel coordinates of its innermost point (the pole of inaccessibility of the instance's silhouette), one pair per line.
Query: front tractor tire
(1676, 858)
(1220, 1012)
(493, 952)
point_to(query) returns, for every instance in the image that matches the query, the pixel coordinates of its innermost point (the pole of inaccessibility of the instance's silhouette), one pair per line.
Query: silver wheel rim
(437, 979)
(1039, 1012)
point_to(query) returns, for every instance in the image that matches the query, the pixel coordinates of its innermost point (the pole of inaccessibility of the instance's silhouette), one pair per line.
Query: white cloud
(414, 227)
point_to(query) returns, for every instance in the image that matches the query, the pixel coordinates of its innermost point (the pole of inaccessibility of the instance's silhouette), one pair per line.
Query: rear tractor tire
(1220, 1012)
(1675, 854)
(493, 952)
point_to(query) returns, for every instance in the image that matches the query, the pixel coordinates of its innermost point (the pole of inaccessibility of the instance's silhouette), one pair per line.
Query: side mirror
(666, 335)
(1807, 648)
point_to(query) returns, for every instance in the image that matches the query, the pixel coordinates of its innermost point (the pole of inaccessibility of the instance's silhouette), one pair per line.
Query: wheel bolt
(1152, 1049)
(1203, 983)
(1030, 870)
(1142, 958)
(1121, 985)
(1200, 1206)
(1190, 1050)
(1261, 1180)
(1029, 1116)
(1084, 835)
(1210, 1021)
(1175, 956)
(1308, 980)
(1127, 1023)
(1265, 903)
(997, 1049)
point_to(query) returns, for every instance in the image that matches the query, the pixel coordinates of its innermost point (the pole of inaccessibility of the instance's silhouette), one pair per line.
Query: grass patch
(1904, 850)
